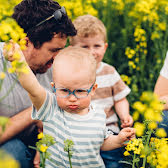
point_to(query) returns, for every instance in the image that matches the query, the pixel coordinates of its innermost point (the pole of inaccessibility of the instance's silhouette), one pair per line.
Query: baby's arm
(122, 109)
(117, 141)
(28, 81)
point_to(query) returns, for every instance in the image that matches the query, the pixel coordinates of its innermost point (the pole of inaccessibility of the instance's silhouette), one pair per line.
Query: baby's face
(66, 78)
(95, 44)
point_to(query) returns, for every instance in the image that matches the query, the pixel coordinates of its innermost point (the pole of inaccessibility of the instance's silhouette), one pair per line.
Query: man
(47, 26)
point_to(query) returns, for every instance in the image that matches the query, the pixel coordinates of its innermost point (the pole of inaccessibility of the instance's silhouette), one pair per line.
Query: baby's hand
(126, 134)
(36, 160)
(12, 52)
(127, 121)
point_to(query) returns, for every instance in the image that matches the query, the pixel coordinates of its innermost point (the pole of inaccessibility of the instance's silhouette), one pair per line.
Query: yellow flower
(136, 59)
(43, 148)
(126, 79)
(160, 132)
(2, 75)
(155, 35)
(132, 64)
(16, 56)
(139, 107)
(162, 26)
(9, 162)
(40, 135)
(152, 125)
(11, 70)
(166, 10)
(126, 153)
(149, 114)
(135, 115)
(139, 127)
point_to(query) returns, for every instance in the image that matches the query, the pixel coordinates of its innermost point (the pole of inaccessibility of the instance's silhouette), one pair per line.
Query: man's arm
(17, 124)
(161, 89)
(122, 109)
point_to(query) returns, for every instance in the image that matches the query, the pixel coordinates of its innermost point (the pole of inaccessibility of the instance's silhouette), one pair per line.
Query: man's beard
(43, 68)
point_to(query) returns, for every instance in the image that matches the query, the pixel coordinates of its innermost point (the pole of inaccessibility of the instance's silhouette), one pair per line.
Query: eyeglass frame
(73, 92)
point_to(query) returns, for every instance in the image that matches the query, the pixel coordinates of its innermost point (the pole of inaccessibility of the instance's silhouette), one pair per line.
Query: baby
(67, 113)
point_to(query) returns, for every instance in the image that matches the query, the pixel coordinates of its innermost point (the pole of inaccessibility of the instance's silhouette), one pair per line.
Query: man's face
(40, 60)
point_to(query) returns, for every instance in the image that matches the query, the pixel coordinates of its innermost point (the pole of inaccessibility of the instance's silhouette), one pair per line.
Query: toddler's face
(65, 78)
(95, 44)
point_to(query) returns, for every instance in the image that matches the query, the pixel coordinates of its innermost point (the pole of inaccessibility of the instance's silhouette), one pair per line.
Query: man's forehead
(57, 42)
(59, 35)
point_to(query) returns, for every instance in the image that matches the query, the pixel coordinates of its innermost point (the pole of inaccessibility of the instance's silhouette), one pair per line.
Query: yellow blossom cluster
(40, 135)
(6, 161)
(135, 146)
(156, 152)
(154, 12)
(148, 109)
(77, 8)
(140, 128)
(126, 79)
(159, 157)
(118, 5)
(43, 148)
(149, 106)
(141, 49)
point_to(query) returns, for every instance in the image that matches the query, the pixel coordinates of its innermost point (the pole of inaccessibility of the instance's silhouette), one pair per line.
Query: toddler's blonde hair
(79, 58)
(88, 26)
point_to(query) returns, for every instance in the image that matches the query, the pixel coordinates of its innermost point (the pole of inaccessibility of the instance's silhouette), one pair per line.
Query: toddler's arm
(122, 109)
(117, 141)
(28, 81)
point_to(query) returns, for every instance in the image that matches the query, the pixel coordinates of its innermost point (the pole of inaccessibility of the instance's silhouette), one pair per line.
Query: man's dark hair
(29, 13)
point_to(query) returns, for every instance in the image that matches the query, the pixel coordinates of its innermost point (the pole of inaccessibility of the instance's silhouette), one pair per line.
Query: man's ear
(27, 41)
(94, 89)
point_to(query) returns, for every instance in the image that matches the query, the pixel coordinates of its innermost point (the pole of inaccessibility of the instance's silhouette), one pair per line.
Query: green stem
(69, 156)
(133, 165)
(43, 160)
(147, 143)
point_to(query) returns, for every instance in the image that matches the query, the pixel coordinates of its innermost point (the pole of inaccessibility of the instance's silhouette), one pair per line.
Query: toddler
(67, 113)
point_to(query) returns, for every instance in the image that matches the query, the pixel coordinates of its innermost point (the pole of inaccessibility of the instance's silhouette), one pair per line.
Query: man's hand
(36, 161)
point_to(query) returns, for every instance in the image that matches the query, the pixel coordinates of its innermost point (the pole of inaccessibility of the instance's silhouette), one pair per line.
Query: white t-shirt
(87, 132)
(164, 70)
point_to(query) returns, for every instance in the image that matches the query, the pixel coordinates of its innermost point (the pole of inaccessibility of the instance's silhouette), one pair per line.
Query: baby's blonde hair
(88, 26)
(79, 57)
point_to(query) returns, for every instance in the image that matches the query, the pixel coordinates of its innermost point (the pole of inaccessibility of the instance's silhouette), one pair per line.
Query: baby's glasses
(78, 93)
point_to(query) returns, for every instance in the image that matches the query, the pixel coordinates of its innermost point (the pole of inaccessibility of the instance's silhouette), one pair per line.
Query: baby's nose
(72, 97)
